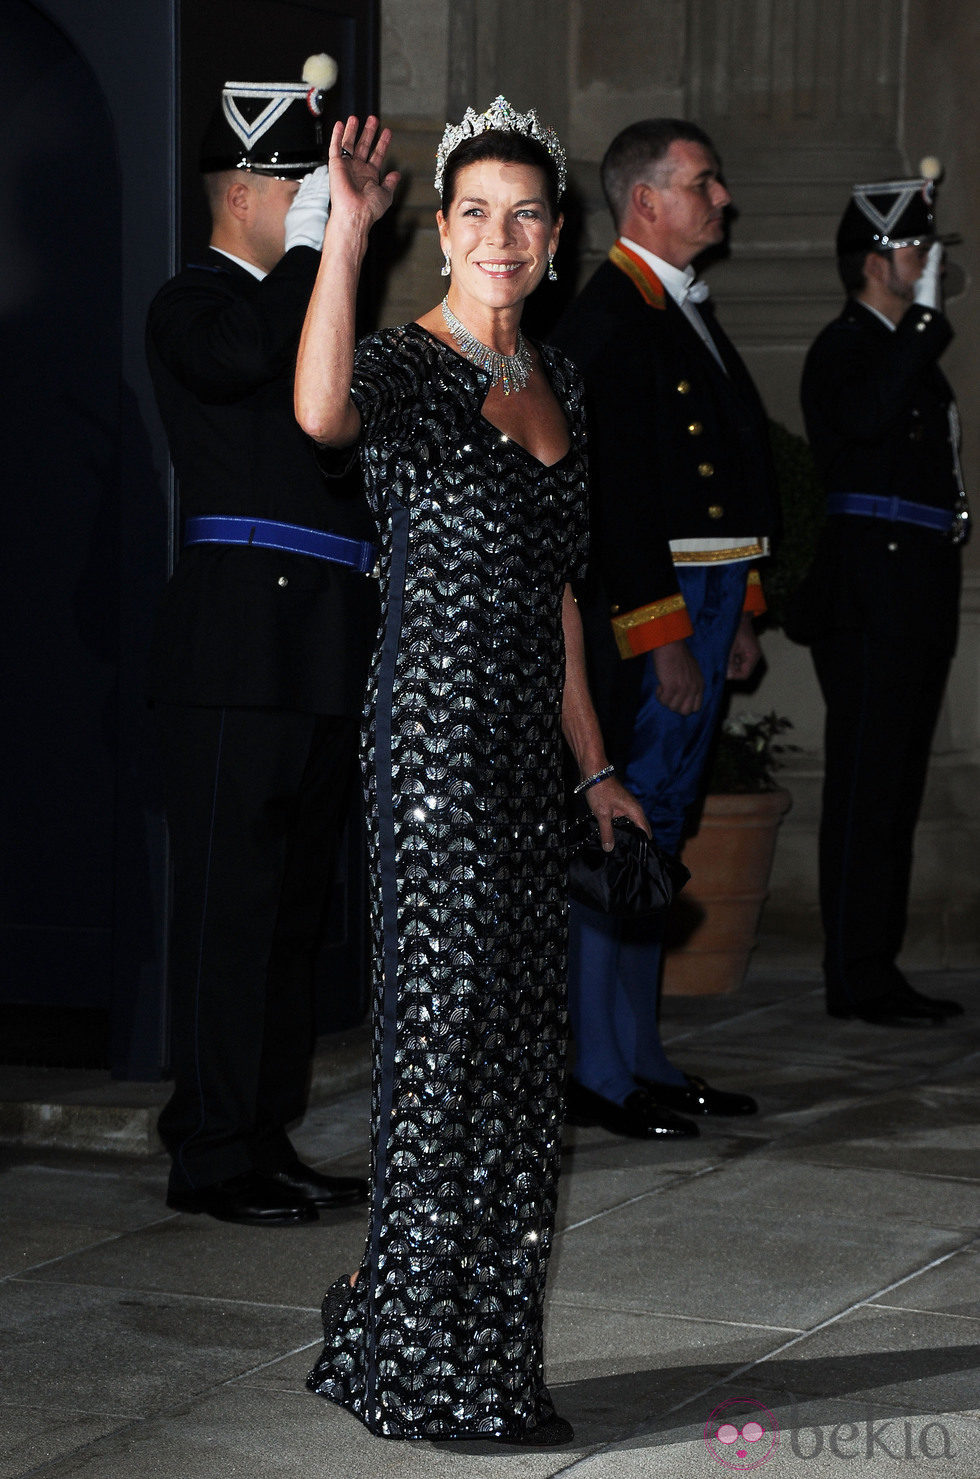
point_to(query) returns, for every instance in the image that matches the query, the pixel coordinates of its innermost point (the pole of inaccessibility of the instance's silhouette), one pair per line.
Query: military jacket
(248, 625)
(876, 406)
(678, 446)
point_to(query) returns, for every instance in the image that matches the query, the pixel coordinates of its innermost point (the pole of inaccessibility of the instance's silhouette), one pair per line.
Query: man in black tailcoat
(259, 663)
(683, 505)
(880, 606)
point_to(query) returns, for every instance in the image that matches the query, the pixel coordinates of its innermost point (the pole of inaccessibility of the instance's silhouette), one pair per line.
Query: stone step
(87, 1110)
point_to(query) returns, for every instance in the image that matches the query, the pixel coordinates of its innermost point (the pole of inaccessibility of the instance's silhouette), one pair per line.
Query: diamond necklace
(512, 370)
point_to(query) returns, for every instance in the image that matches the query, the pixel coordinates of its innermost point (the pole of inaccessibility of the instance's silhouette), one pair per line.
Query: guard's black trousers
(257, 801)
(883, 698)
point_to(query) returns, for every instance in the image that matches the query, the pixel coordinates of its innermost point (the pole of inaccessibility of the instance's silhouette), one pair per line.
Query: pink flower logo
(741, 1434)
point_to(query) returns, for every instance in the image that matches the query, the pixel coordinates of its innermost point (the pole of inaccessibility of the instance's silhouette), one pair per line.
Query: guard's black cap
(890, 214)
(273, 128)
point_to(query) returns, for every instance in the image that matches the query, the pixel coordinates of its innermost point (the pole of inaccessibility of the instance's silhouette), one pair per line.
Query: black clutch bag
(636, 879)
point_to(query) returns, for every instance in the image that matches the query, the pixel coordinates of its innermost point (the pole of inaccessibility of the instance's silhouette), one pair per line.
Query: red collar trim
(640, 274)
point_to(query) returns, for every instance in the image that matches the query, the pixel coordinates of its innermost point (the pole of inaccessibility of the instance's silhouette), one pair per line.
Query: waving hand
(358, 189)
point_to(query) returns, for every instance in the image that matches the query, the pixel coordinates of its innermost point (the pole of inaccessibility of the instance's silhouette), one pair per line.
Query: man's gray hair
(635, 153)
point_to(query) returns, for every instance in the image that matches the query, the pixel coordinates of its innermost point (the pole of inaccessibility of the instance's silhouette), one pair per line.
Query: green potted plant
(713, 926)
(747, 754)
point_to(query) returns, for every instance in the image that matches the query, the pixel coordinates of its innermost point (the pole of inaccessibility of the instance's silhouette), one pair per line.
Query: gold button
(695, 429)
(706, 469)
(683, 386)
(715, 510)
(614, 610)
(284, 580)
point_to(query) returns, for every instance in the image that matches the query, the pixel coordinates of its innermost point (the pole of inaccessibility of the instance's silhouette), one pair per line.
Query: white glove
(307, 216)
(929, 287)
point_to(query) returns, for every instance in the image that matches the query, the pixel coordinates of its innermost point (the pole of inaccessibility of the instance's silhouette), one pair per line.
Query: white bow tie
(697, 291)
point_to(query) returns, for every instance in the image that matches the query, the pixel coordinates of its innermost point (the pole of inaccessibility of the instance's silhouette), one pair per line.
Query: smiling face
(682, 206)
(498, 232)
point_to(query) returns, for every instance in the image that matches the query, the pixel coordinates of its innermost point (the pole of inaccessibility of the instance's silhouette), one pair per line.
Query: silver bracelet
(593, 780)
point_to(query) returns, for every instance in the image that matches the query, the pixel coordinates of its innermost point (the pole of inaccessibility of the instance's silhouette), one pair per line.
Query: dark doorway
(60, 322)
(100, 105)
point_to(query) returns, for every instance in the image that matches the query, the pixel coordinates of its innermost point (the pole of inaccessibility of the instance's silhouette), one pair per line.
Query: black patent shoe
(551, 1434)
(315, 1187)
(637, 1116)
(697, 1097)
(250, 1198)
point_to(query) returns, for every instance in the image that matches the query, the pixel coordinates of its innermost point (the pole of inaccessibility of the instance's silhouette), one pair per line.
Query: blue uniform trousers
(614, 965)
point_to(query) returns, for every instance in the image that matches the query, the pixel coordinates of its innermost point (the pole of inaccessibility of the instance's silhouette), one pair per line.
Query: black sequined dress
(442, 1335)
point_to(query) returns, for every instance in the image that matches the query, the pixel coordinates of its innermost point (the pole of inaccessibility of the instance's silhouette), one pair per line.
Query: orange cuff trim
(640, 274)
(755, 600)
(652, 626)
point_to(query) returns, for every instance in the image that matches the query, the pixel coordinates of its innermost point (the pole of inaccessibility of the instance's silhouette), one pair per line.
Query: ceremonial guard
(682, 510)
(880, 605)
(260, 660)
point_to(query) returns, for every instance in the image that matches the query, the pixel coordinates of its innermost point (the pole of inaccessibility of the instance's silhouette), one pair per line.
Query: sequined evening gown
(442, 1335)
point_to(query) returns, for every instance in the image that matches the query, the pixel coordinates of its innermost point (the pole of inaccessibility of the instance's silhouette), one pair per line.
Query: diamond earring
(552, 274)
(446, 269)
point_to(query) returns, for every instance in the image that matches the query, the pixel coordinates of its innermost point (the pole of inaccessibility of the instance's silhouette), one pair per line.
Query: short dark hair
(637, 147)
(508, 147)
(850, 265)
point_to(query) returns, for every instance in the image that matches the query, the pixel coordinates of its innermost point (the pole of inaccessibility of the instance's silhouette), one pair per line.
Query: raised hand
(359, 191)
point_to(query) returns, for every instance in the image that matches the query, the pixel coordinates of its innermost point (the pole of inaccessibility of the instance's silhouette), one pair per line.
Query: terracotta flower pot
(713, 924)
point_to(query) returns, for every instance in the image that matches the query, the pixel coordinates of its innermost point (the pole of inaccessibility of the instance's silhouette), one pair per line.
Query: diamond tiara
(503, 116)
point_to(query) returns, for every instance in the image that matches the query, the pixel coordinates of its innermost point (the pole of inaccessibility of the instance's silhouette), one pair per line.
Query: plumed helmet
(272, 128)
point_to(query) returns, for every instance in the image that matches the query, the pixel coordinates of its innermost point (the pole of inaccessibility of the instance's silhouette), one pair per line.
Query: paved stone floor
(813, 1269)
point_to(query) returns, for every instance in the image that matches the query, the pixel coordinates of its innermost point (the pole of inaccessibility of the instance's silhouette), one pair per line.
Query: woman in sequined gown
(479, 493)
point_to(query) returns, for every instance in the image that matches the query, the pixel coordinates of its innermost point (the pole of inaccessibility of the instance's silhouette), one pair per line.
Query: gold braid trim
(650, 626)
(715, 556)
(653, 612)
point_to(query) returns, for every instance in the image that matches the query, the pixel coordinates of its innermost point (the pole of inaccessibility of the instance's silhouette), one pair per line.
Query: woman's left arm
(608, 798)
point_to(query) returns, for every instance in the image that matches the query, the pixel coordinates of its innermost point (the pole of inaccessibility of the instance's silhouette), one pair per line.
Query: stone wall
(801, 100)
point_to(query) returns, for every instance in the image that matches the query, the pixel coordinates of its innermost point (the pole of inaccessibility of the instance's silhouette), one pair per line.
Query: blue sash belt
(897, 510)
(359, 554)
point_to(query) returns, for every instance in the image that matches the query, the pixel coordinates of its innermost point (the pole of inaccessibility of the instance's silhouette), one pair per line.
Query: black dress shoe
(315, 1187)
(697, 1097)
(249, 1198)
(936, 1004)
(637, 1117)
(551, 1434)
(887, 998)
(899, 1008)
